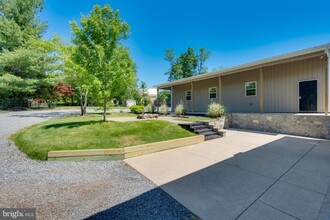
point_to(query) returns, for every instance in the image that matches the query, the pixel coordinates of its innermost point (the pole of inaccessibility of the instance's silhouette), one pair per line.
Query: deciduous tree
(78, 76)
(187, 64)
(202, 56)
(98, 37)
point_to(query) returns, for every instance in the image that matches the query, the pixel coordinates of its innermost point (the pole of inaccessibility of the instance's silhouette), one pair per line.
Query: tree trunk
(85, 102)
(81, 103)
(105, 109)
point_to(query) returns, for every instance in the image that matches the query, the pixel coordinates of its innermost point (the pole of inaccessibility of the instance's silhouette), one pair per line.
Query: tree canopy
(187, 64)
(19, 22)
(98, 37)
(27, 61)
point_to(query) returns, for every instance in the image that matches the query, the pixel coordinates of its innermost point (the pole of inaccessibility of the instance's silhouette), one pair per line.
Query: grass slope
(195, 119)
(89, 132)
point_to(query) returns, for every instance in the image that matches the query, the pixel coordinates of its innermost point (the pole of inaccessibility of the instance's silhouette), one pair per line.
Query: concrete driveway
(246, 175)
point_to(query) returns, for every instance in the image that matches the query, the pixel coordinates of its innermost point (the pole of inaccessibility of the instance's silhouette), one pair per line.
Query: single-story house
(289, 83)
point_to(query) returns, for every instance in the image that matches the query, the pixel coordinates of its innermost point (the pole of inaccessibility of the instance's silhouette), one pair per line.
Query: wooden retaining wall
(123, 153)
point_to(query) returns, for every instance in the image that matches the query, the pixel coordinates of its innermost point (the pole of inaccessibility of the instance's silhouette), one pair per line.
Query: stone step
(197, 123)
(195, 127)
(210, 137)
(208, 133)
(202, 130)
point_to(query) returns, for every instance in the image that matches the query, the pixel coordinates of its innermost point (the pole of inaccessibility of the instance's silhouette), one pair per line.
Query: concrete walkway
(246, 175)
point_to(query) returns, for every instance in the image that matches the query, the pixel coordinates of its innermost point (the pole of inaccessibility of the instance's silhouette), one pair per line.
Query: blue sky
(235, 32)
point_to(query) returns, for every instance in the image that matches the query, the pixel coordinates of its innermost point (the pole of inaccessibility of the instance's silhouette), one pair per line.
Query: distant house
(152, 93)
(290, 83)
(130, 102)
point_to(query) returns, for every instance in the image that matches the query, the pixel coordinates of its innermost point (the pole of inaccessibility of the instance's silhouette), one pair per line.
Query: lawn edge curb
(123, 153)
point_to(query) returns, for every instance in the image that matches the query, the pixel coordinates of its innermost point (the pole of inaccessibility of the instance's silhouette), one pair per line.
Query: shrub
(150, 108)
(163, 109)
(137, 109)
(215, 110)
(179, 109)
(146, 101)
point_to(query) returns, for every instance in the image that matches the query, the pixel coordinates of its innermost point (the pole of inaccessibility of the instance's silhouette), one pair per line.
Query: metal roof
(250, 65)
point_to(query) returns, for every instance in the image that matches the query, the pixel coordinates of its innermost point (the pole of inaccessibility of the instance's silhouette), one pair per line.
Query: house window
(213, 92)
(251, 88)
(188, 95)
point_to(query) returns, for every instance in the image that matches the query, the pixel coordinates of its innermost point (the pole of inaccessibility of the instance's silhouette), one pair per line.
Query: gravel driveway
(76, 190)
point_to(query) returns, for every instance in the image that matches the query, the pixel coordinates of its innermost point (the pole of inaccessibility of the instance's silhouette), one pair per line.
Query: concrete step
(210, 137)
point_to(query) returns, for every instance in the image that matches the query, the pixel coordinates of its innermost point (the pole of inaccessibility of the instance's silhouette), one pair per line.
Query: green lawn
(194, 119)
(88, 108)
(115, 114)
(88, 132)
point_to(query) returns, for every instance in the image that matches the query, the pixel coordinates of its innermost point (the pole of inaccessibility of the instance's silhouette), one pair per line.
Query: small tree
(99, 39)
(78, 76)
(46, 89)
(64, 91)
(145, 100)
(164, 95)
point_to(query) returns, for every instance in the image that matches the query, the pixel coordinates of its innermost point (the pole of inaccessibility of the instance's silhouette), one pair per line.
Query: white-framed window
(212, 92)
(188, 95)
(251, 88)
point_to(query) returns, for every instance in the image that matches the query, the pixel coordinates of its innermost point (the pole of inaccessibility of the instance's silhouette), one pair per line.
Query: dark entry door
(308, 96)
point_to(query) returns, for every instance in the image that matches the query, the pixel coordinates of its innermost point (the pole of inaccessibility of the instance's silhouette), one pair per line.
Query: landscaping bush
(150, 108)
(215, 110)
(137, 109)
(163, 109)
(180, 109)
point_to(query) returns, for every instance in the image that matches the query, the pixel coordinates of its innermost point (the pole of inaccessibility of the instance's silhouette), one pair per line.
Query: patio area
(246, 175)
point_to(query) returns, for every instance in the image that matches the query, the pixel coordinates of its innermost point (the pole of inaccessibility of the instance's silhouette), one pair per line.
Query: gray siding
(233, 92)
(201, 94)
(281, 84)
(179, 94)
(280, 88)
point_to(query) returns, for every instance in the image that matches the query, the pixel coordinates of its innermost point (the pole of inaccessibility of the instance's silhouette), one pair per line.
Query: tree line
(95, 67)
